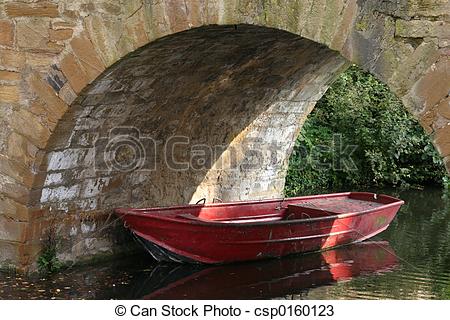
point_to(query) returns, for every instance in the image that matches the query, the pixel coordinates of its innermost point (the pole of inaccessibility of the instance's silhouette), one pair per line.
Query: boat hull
(169, 238)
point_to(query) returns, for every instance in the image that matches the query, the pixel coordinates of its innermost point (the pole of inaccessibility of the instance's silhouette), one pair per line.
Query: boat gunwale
(123, 212)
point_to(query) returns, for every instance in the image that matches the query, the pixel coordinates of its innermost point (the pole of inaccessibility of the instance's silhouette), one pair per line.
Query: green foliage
(391, 148)
(48, 261)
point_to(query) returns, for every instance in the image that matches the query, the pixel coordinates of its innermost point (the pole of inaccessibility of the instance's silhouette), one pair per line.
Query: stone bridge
(156, 102)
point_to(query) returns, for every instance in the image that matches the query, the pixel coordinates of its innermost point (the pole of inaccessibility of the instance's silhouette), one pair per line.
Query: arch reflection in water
(268, 278)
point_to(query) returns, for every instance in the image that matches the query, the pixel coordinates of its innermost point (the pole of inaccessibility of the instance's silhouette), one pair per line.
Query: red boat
(251, 230)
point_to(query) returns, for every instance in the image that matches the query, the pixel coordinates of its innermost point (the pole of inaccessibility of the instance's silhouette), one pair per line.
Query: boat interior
(272, 210)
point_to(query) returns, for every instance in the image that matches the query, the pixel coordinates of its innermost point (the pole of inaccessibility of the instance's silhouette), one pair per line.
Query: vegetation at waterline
(48, 262)
(360, 135)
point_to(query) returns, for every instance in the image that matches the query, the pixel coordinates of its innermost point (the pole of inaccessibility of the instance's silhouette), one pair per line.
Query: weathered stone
(40, 9)
(313, 27)
(60, 34)
(444, 108)
(96, 26)
(11, 230)
(13, 209)
(39, 60)
(9, 93)
(12, 59)
(59, 194)
(67, 94)
(415, 8)
(6, 33)
(422, 29)
(56, 78)
(442, 140)
(10, 254)
(13, 189)
(443, 43)
(17, 171)
(343, 30)
(427, 120)
(136, 28)
(86, 54)
(26, 123)
(61, 25)
(38, 108)
(74, 73)
(447, 164)
(9, 75)
(54, 47)
(32, 34)
(21, 150)
(411, 65)
(54, 105)
(433, 86)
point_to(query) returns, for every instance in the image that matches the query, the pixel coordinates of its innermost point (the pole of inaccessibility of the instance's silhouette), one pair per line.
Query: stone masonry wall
(50, 51)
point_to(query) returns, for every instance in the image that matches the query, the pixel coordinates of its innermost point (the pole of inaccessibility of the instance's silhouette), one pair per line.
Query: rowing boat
(250, 230)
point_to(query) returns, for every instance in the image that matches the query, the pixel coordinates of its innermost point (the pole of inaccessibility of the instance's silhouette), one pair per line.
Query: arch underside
(207, 113)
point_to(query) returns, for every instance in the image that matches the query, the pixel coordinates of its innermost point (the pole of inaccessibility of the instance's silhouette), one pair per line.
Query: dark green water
(410, 260)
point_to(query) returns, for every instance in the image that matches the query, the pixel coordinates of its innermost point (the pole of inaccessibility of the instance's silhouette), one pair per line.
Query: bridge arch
(69, 68)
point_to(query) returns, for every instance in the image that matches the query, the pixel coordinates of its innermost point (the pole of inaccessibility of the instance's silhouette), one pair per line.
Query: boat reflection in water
(267, 278)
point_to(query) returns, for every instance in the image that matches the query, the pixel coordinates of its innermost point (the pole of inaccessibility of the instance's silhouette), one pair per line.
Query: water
(410, 260)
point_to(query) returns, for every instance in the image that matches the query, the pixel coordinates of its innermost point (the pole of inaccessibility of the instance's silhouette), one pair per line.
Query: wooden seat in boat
(241, 219)
(303, 211)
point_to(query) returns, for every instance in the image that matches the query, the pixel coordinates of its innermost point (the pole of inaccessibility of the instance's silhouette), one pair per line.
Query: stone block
(11, 230)
(33, 35)
(441, 140)
(10, 59)
(74, 73)
(422, 29)
(66, 159)
(54, 105)
(67, 94)
(59, 194)
(13, 209)
(411, 64)
(21, 149)
(434, 85)
(27, 124)
(444, 108)
(109, 37)
(60, 34)
(344, 28)
(6, 33)
(9, 93)
(447, 163)
(39, 61)
(87, 56)
(59, 25)
(39, 9)
(9, 254)
(13, 189)
(9, 75)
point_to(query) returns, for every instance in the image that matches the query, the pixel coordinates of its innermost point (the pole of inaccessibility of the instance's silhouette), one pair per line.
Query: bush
(390, 147)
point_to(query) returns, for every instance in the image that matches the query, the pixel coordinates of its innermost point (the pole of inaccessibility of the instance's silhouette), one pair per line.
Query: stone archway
(51, 51)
